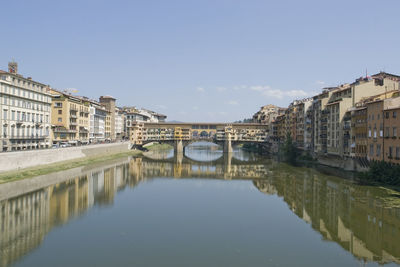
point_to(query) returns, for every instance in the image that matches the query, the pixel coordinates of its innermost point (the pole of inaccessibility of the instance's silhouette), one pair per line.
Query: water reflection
(362, 220)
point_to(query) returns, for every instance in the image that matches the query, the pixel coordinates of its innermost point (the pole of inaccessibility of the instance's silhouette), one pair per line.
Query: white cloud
(296, 93)
(200, 89)
(260, 88)
(221, 89)
(268, 91)
(233, 102)
(322, 83)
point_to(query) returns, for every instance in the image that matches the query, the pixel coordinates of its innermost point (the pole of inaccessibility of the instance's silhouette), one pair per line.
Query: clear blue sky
(204, 60)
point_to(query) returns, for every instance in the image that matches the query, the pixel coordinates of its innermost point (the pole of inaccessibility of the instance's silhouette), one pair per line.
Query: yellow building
(69, 118)
(107, 126)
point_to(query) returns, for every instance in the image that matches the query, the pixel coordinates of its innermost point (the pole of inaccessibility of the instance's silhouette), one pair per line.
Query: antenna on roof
(366, 72)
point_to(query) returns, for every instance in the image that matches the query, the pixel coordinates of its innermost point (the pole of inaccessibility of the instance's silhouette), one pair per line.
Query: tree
(290, 152)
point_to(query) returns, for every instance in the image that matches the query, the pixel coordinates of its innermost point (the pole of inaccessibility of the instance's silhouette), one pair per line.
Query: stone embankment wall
(17, 188)
(10, 161)
(348, 164)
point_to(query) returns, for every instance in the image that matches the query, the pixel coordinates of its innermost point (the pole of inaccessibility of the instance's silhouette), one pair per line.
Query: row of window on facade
(393, 151)
(16, 102)
(25, 131)
(378, 117)
(25, 116)
(387, 132)
(7, 89)
(20, 82)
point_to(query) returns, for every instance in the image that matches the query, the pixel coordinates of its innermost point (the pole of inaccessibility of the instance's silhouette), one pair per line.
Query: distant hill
(244, 121)
(174, 121)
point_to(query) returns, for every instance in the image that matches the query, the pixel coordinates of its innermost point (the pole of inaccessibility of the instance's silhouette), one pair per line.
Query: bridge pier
(227, 146)
(178, 147)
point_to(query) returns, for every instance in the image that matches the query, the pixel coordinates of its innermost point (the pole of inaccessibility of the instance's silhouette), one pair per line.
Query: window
(371, 149)
(58, 105)
(59, 119)
(394, 131)
(378, 150)
(60, 111)
(387, 131)
(13, 115)
(387, 115)
(390, 152)
(5, 115)
(394, 114)
(397, 152)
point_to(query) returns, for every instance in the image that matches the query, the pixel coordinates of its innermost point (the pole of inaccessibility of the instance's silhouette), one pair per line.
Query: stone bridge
(179, 135)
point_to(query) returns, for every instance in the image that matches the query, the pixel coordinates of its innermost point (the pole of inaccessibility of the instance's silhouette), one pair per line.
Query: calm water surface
(200, 209)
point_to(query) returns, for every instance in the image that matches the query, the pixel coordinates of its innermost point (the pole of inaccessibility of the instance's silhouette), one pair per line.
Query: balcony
(25, 137)
(346, 126)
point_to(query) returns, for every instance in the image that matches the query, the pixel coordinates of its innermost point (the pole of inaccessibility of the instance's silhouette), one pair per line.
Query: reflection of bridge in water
(182, 166)
(358, 218)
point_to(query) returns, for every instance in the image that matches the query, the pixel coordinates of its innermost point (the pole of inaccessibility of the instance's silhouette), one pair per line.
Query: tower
(13, 67)
(109, 103)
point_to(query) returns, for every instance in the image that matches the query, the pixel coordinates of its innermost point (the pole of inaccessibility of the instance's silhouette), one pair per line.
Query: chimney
(13, 67)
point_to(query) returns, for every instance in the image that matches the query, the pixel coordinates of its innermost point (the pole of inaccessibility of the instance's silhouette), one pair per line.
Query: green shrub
(382, 172)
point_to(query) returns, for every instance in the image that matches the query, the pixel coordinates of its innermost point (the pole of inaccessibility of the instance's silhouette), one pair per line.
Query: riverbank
(18, 160)
(60, 166)
(374, 173)
(156, 146)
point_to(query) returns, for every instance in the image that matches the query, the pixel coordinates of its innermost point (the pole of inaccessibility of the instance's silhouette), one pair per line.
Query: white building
(97, 118)
(133, 115)
(25, 107)
(119, 124)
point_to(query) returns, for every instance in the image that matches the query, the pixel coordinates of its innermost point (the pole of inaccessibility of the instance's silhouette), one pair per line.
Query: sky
(204, 60)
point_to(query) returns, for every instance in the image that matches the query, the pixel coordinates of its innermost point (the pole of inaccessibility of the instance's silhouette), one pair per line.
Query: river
(201, 208)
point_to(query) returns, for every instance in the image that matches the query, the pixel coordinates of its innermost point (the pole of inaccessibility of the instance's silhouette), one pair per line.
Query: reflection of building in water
(23, 224)
(355, 217)
(26, 219)
(68, 199)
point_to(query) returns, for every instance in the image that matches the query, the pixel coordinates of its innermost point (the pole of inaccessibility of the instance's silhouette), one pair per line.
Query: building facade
(97, 117)
(25, 107)
(109, 103)
(70, 118)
